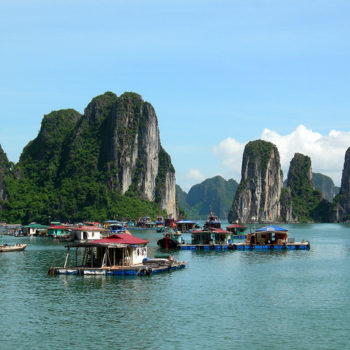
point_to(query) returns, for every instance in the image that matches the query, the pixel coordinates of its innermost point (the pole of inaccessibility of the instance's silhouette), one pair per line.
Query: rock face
(214, 194)
(287, 206)
(4, 164)
(258, 195)
(300, 187)
(325, 185)
(116, 142)
(343, 199)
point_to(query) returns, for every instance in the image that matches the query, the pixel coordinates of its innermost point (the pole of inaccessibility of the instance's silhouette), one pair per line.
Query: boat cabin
(212, 222)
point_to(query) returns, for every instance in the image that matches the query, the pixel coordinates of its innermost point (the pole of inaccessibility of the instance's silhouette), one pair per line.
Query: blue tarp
(272, 228)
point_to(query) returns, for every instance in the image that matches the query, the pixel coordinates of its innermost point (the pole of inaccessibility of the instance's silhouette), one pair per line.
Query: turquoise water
(224, 300)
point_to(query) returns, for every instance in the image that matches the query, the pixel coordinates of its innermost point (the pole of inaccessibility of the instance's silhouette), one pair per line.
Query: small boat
(212, 222)
(12, 248)
(171, 240)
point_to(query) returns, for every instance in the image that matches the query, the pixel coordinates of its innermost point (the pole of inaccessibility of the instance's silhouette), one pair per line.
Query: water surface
(224, 300)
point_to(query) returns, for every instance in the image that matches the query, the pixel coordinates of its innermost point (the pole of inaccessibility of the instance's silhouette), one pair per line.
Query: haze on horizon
(218, 73)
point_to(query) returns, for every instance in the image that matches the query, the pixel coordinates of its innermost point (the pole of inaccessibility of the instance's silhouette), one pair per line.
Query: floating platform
(277, 247)
(246, 246)
(146, 269)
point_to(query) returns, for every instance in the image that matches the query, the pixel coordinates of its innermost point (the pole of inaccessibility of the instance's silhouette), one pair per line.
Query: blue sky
(218, 73)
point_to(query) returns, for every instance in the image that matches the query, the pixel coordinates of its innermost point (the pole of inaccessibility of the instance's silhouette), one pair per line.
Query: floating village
(109, 248)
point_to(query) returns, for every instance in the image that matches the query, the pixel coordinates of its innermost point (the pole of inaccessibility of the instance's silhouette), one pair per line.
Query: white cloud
(195, 175)
(327, 152)
(230, 152)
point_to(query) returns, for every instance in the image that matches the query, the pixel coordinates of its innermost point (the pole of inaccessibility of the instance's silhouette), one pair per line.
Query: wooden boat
(212, 222)
(11, 248)
(171, 240)
(119, 254)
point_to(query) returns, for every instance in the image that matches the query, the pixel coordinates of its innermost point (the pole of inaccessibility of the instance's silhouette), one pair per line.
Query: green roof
(34, 226)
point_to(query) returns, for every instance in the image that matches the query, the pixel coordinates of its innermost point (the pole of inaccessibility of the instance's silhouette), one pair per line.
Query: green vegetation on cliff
(259, 150)
(4, 173)
(73, 169)
(306, 200)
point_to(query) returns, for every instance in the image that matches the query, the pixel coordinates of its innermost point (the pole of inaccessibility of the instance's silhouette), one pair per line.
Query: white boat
(12, 248)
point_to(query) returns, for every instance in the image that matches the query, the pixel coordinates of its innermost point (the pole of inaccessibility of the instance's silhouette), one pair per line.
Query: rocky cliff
(85, 163)
(325, 185)
(214, 194)
(258, 195)
(304, 198)
(343, 199)
(4, 165)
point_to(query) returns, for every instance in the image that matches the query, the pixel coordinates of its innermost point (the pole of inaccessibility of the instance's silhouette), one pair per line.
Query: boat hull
(12, 248)
(167, 243)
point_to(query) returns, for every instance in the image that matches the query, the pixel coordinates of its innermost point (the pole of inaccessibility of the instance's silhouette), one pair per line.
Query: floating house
(145, 223)
(169, 222)
(34, 229)
(119, 254)
(211, 237)
(92, 223)
(271, 238)
(87, 233)
(13, 229)
(58, 231)
(186, 225)
(237, 231)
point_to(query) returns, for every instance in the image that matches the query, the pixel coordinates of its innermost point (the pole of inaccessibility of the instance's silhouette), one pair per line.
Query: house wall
(138, 255)
(91, 235)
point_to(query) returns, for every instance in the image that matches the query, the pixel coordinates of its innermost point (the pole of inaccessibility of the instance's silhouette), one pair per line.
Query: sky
(218, 73)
